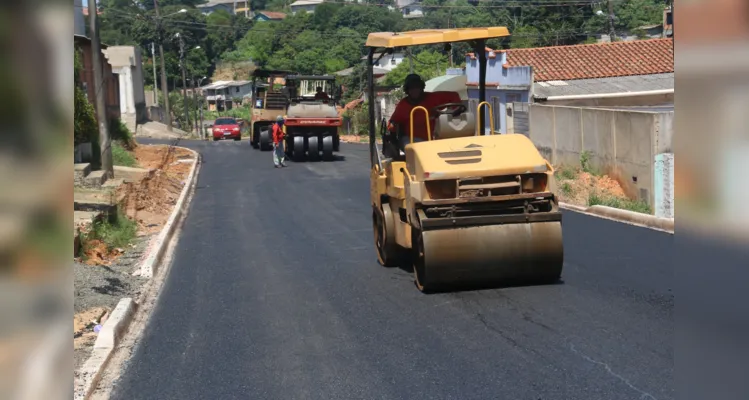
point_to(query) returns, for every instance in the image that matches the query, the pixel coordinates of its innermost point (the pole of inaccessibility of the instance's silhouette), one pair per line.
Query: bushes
(117, 234)
(85, 126)
(616, 202)
(118, 132)
(122, 157)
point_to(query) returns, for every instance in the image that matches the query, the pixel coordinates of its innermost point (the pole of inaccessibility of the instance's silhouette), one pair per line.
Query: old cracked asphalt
(275, 293)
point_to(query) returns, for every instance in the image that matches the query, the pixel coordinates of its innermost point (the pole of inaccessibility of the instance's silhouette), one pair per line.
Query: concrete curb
(148, 268)
(109, 336)
(615, 214)
(121, 317)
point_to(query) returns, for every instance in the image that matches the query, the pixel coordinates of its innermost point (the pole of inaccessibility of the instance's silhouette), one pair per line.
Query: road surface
(275, 293)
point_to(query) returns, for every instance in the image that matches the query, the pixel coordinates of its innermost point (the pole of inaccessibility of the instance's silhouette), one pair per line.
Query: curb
(104, 346)
(148, 268)
(615, 214)
(121, 317)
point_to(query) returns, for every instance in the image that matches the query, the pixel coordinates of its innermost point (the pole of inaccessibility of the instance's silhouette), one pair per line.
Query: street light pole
(612, 33)
(155, 84)
(184, 80)
(198, 106)
(164, 88)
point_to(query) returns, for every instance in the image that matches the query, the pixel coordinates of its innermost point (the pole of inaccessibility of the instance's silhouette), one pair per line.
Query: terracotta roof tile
(273, 14)
(602, 60)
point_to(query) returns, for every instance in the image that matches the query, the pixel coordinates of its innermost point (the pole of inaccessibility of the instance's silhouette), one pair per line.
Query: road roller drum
(490, 255)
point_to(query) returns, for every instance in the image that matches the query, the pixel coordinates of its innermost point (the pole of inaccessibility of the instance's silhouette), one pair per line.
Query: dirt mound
(577, 188)
(151, 201)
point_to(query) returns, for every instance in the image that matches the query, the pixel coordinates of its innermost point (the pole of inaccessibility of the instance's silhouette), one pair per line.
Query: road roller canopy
(433, 36)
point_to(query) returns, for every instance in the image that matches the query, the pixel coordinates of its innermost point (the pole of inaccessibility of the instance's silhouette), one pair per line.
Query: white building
(127, 63)
(388, 61)
(410, 8)
(221, 94)
(305, 5)
(233, 7)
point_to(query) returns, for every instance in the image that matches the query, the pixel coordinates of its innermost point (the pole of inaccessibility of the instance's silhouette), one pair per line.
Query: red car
(226, 128)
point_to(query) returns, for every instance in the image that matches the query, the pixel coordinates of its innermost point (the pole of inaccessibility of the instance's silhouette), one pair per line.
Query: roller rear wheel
(327, 148)
(313, 148)
(298, 149)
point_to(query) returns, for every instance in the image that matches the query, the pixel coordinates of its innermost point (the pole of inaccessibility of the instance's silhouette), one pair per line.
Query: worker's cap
(411, 80)
(279, 118)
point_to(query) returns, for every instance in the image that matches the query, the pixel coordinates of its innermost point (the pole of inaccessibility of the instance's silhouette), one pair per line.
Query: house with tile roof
(632, 73)
(268, 16)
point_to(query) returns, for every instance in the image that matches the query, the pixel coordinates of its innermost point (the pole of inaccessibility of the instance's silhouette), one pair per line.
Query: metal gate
(521, 118)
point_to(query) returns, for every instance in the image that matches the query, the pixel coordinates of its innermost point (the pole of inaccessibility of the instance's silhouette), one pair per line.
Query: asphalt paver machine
(269, 100)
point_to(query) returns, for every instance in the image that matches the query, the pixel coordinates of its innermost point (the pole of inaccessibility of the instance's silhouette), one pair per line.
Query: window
(512, 98)
(236, 89)
(225, 121)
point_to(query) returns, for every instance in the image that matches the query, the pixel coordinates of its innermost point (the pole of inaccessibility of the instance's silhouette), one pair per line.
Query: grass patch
(117, 234)
(623, 204)
(122, 157)
(566, 172)
(566, 188)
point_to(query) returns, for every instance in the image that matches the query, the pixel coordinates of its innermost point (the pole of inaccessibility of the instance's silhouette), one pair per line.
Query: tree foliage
(331, 39)
(85, 127)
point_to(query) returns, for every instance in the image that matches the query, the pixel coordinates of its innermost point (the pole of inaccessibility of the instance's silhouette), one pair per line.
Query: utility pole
(612, 33)
(195, 102)
(184, 79)
(99, 90)
(153, 57)
(451, 48)
(164, 87)
(673, 30)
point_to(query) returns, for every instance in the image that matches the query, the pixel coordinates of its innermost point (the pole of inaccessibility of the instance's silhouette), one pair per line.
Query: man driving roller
(416, 96)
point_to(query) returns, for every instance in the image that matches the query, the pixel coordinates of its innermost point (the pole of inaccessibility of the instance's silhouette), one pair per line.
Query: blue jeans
(278, 154)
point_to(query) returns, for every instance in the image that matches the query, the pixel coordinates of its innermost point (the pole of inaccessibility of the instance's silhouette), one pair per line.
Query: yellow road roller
(465, 208)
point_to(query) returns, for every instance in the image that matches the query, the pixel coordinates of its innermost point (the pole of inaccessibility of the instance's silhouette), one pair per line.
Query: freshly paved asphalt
(275, 293)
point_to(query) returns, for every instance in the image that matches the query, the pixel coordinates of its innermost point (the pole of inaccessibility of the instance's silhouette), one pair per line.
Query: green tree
(428, 64)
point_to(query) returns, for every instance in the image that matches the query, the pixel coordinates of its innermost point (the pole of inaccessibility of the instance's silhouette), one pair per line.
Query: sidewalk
(157, 130)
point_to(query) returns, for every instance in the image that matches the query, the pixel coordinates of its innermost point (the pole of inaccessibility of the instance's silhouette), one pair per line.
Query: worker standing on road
(416, 96)
(278, 136)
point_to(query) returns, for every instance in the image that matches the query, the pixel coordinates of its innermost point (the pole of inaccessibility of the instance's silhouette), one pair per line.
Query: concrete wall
(622, 101)
(623, 144)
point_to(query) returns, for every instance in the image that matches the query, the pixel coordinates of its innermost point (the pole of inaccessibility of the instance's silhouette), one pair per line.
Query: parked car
(226, 128)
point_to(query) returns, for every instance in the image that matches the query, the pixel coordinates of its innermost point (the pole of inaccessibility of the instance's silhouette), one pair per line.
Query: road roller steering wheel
(453, 109)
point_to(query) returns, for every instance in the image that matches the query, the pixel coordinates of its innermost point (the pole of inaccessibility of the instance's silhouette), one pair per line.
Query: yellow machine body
(464, 208)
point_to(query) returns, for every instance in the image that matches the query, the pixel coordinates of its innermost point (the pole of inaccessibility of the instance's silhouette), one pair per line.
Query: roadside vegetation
(583, 185)
(220, 45)
(106, 239)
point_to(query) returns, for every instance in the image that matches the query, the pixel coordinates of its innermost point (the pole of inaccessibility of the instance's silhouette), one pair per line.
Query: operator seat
(448, 127)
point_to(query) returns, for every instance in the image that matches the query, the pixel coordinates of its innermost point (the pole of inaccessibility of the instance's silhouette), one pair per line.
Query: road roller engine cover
(462, 208)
